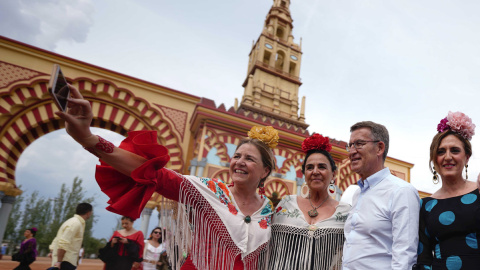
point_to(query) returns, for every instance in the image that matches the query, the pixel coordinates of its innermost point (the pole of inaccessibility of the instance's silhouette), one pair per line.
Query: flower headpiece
(316, 142)
(33, 229)
(459, 123)
(267, 135)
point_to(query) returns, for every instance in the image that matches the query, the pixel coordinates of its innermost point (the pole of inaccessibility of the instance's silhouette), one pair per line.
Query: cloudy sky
(401, 63)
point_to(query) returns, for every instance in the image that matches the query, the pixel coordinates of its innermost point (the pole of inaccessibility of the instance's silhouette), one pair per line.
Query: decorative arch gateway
(27, 113)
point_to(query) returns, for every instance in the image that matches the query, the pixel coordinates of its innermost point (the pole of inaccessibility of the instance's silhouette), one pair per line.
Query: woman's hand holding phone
(78, 118)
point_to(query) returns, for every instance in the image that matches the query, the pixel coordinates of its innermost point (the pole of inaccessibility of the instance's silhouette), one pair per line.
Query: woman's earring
(331, 187)
(261, 188)
(304, 191)
(435, 177)
(466, 171)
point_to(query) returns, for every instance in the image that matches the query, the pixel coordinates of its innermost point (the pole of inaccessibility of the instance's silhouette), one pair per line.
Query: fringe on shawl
(300, 248)
(194, 228)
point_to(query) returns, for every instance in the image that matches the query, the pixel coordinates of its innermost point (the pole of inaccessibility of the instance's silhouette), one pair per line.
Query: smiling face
(156, 234)
(318, 172)
(369, 159)
(246, 166)
(450, 158)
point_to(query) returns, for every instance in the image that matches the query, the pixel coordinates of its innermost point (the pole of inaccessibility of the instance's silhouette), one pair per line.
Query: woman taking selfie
(220, 227)
(450, 218)
(307, 231)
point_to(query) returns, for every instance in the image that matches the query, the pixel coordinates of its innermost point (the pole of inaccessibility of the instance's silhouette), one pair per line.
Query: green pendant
(248, 219)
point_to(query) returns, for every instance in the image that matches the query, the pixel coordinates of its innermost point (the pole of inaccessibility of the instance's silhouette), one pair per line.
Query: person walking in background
(128, 245)
(28, 250)
(154, 254)
(381, 231)
(450, 218)
(307, 230)
(66, 245)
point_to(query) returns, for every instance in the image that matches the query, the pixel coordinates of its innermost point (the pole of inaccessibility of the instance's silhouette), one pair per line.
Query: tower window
(266, 57)
(283, 4)
(292, 68)
(280, 32)
(279, 60)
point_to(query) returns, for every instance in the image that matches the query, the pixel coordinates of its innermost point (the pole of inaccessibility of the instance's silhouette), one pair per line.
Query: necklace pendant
(248, 219)
(313, 213)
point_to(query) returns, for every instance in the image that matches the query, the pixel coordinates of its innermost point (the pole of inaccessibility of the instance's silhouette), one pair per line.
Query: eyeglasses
(156, 232)
(357, 145)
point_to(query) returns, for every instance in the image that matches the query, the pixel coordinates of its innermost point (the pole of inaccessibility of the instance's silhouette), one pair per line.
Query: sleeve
(66, 238)
(141, 242)
(425, 255)
(405, 208)
(129, 194)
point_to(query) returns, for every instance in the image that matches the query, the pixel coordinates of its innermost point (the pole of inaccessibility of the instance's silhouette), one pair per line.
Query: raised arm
(77, 123)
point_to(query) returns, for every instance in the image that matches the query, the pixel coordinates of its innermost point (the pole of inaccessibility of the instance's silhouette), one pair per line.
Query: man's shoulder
(396, 182)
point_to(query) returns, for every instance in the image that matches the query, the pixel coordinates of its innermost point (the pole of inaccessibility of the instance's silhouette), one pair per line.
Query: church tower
(272, 83)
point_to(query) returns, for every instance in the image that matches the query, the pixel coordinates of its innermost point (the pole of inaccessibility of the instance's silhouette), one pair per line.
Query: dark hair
(83, 208)
(323, 152)
(268, 159)
(437, 140)
(160, 239)
(379, 133)
(128, 218)
(33, 231)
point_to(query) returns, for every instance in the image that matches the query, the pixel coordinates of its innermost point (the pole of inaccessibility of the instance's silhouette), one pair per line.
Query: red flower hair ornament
(316, 142)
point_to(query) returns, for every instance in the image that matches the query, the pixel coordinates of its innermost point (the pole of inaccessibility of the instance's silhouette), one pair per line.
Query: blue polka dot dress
(449, 233)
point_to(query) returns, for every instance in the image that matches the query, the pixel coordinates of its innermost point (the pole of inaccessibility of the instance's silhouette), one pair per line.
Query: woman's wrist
(98, 145)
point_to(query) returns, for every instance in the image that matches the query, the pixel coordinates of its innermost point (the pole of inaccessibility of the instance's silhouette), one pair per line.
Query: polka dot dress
(449, 233)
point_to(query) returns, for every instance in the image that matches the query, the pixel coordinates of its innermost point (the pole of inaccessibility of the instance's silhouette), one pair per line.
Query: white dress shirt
(381, 231)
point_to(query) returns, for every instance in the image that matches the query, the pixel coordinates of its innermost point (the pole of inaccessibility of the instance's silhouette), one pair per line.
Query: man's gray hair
(379, 133)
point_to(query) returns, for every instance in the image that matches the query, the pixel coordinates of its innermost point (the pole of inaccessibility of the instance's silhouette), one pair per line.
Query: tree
(47, 216)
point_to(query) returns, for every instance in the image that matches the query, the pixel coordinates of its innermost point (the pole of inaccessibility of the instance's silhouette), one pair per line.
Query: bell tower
(272, 83)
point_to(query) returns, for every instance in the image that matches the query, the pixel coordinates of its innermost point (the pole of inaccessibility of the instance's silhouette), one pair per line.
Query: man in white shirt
(381, 231)
(66, 245)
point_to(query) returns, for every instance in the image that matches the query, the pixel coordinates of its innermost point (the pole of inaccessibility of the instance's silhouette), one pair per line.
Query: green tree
(47, 216)
(12, 234)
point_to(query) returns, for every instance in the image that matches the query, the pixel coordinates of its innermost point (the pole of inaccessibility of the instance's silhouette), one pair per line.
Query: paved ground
(43, 263)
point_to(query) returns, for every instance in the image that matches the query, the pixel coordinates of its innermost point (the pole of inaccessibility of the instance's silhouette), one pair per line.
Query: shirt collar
(80, 218)
(373, 179)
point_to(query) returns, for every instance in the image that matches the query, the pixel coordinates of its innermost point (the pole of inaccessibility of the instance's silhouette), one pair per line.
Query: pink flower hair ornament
(316, 142)
(459, 123)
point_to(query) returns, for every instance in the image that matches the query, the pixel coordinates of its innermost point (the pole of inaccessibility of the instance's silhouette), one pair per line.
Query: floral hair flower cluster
(316, 142)
(459, 123)
(267, 135)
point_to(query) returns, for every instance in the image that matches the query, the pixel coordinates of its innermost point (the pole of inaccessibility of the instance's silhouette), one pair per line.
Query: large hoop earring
(331, 187)
(304, 191)
(466, 171)
(435, 177)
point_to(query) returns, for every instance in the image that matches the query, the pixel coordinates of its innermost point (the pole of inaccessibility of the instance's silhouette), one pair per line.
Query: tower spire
(272, 81)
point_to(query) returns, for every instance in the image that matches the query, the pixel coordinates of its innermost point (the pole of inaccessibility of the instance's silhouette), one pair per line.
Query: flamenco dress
(203, 219)
(449, 233)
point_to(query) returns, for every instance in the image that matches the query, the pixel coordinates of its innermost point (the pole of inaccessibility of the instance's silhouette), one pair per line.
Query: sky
(404, 64)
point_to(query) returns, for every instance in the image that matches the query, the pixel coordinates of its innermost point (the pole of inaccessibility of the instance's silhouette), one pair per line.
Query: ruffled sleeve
(129, 194)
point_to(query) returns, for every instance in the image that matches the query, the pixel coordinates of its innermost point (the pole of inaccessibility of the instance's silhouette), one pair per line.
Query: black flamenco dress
(449, 233)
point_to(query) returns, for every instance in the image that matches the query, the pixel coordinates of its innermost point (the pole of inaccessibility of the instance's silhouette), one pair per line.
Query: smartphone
(58, 88)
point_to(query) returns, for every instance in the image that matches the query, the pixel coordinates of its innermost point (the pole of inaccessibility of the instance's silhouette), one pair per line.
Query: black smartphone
(58, 88)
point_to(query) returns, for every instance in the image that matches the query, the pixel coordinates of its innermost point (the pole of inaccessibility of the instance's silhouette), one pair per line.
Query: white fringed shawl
(295, 244)
(208, 225)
